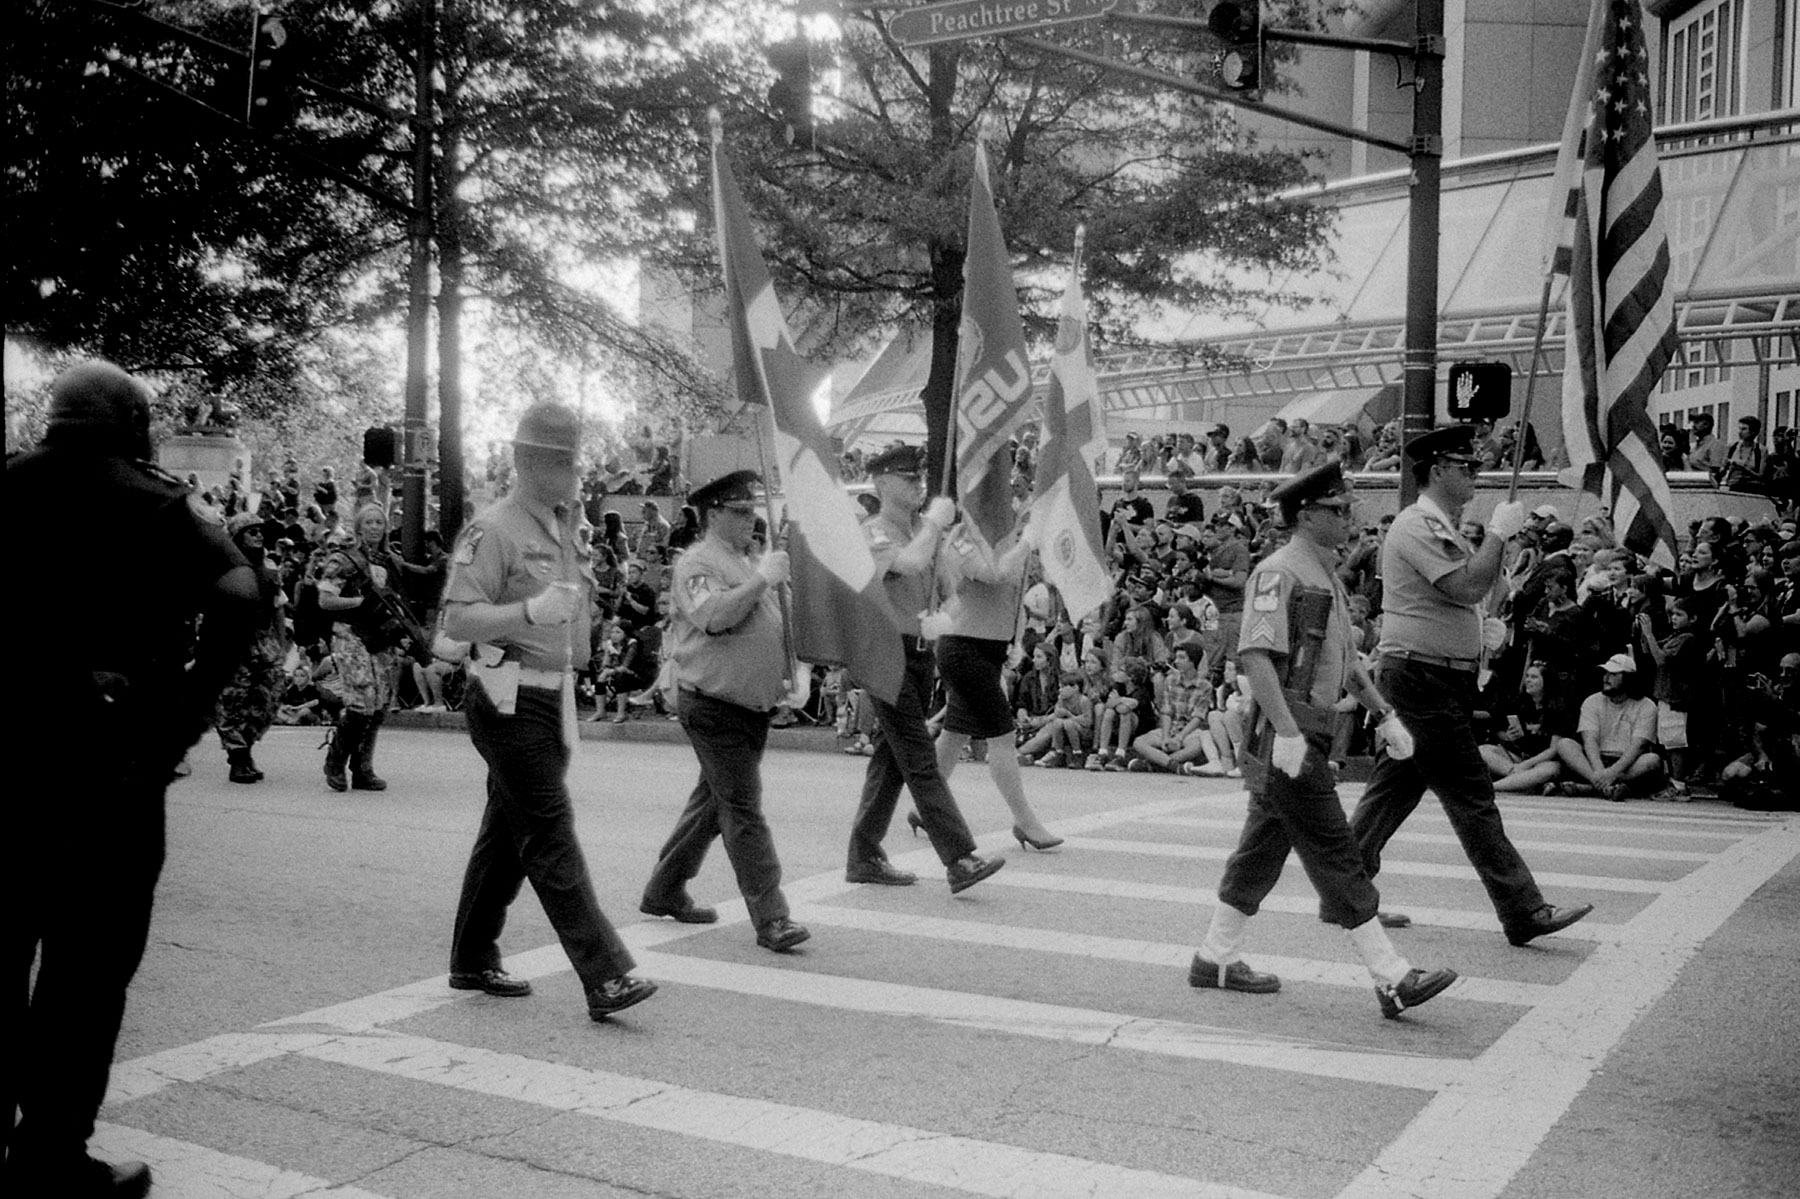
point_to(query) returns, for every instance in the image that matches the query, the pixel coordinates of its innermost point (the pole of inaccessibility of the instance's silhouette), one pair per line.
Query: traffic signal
(790, 97)
(381, 446)
(1238, 26)
(1480, 390)
(269, 105)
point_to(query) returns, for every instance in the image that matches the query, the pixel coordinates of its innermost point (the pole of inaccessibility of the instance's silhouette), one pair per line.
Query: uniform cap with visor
(740, 491)
(1452, 443)
(899, 460)
(553, 427)
(1321, 487)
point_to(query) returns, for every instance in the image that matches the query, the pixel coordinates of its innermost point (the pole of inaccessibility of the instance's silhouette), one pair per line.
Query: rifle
(394, 625)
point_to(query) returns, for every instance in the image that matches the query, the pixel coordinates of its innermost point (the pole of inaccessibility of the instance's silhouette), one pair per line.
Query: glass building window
(1700, 62)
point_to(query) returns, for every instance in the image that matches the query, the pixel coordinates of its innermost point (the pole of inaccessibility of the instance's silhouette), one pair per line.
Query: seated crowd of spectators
(1614, 679)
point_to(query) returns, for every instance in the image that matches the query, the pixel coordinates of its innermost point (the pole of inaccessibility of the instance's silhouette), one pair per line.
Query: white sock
(1224, 935)
(1378, 953)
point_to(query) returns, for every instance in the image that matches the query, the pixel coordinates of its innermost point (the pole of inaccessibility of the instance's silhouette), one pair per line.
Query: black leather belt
(1466, 665)
(915, 644)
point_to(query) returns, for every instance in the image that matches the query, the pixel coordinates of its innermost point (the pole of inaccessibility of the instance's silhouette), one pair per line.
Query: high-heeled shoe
(913, 822)
(1039, 845)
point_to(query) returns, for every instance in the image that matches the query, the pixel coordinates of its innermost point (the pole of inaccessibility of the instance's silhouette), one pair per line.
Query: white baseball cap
(1547, 511)
(1619, 664)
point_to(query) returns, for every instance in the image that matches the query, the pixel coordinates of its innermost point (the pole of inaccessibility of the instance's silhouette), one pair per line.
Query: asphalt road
(291, 1034)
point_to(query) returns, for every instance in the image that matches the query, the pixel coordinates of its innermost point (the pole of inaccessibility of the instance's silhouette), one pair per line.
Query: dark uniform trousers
(528, 831)
(81, 866)
(1437, 704)
(726, 802)
(1303, 815)
(904, 753)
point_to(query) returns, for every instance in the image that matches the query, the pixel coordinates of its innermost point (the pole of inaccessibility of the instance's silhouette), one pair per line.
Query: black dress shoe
(1238, 976)
(1411, 991)
(494, 982)
(617, 994)
(687, 911)
(1546, 920)
(86, 1179)
(781, 934)
(1394, 919)
(881, 872)
(966, 872)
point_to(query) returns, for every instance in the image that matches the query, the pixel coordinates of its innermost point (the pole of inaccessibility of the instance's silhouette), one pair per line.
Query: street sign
(958, 20)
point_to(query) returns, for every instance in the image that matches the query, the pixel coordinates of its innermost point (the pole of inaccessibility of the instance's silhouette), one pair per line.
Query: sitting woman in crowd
(1523, 757)
(1119, 716)
(1226, 721)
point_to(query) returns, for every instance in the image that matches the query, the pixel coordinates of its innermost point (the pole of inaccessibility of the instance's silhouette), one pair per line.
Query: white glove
(933, 625)
(1399, 738)
(1493, 633)
(940, 512)
(555, 604)
(773, 567)
(1507, 520)
(1289, 755)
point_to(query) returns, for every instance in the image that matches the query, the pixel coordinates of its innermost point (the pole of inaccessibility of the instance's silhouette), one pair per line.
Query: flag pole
(1531, 377)
(784, 595)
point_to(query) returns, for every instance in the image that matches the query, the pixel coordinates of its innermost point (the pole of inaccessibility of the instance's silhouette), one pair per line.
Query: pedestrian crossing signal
(1239, 28)
(269, 105)
(1480, 390)
(381, 446)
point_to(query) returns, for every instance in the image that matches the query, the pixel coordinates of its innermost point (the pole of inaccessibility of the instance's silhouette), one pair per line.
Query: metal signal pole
(418, 306)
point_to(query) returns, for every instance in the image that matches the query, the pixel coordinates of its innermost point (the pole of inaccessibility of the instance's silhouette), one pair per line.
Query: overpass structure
(1732, 208)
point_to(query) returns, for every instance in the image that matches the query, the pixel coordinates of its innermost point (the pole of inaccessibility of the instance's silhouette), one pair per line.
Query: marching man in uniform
(730, 660)
(1297, 651)
(1433, 632)
(519, 591)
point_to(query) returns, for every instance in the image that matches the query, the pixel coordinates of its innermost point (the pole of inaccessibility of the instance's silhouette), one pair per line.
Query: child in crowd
(1680, 661)
(1181, 736)
(1067, 731)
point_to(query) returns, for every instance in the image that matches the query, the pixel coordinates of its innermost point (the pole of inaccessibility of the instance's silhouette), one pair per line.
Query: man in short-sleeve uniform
(904, 543)
(730, 660)
(1297, 650)
(1432, 637)
(519, 592)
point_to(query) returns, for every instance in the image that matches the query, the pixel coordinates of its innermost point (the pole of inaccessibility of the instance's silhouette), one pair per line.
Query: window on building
(1700, 67)
(1784, 410)
(1697, 364)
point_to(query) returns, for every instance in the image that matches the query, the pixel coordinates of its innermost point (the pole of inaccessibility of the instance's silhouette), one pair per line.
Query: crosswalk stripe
(180, 1168)
(1214, 853)
(1147, 953)
(1296, 905)
(1019, 1017)
(1585, 848)
(891, 1150)
(1522, 1085)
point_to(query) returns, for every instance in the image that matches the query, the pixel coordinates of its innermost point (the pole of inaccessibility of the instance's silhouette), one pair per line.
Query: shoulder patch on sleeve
(1266, 596)
(697, 587)
(466, 544)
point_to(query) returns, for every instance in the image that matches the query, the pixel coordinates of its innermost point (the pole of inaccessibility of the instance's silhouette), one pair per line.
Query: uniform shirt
(986, 605)
(909, 594)
(510, 552)
(1617, 725)
(1266, 616)
(744, 664)
(1422, 547)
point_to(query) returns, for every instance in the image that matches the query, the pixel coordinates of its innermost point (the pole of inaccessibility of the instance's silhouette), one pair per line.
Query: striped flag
(841, 614)
(1065, 502)
(1621, 304)
(993, 377)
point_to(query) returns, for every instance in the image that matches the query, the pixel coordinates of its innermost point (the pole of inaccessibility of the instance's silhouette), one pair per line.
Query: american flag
(1621, 303)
